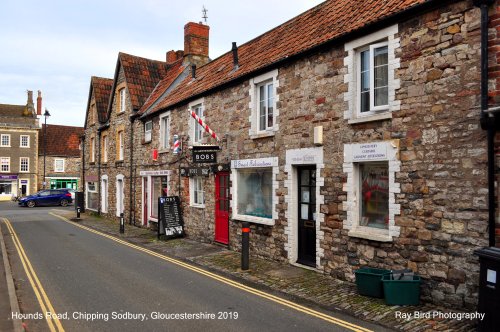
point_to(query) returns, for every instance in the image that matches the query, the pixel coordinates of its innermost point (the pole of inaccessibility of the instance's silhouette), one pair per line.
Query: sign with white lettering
(154, 173)
(171, 223)
(195, 171)
(252, 163)
(208, 157)
(369, 152)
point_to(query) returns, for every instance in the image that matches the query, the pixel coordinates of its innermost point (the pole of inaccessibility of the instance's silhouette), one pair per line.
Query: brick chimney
(39, 103)
(173, 56)
(30, 107)
(196, 43)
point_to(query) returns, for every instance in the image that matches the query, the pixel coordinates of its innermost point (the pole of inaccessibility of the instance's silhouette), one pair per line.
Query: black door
(307, 215)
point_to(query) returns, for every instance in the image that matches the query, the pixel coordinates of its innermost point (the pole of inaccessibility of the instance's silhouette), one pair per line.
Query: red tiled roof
(141, 75)
(102, 90)
(62, 141)
(316, 26)
(175, 70)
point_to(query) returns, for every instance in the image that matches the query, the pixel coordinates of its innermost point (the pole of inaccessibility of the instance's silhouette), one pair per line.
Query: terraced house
(357, 133)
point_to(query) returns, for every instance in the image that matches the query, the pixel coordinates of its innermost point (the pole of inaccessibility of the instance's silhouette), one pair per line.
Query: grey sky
(56, 45)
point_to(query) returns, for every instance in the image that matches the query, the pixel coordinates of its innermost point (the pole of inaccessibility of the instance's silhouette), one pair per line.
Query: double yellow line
(229, 282)
(47, 308)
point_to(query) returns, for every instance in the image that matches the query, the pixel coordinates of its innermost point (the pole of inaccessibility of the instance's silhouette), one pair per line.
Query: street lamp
(46, 115)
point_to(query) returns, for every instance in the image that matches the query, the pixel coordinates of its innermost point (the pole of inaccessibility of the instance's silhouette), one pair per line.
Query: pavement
(300, 285)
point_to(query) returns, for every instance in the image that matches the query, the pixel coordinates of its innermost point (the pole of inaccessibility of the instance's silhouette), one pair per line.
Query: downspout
(82, 181)
(487, 121)
(131, 211)
(99, 197)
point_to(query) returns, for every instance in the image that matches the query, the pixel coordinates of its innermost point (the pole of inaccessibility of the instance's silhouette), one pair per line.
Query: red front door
(222, 207)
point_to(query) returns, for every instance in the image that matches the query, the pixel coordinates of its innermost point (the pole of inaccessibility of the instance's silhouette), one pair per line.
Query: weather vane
(204, 11)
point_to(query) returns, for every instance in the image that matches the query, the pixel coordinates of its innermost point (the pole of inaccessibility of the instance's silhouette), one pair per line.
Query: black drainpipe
(131, 219)
(487, 121)
(99, 171)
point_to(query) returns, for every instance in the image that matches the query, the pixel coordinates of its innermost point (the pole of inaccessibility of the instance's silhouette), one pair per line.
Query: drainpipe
(82, 181)
(131, 220)
(99, 197)
(487, 120)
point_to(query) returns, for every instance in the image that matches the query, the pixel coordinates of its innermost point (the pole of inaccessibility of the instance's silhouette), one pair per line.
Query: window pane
(270, 101)
(380, 56)
(374, 179)
(5, 187)
(365, 102)
(255, 192)
(381, 96)
(381, 76)
(365, 60)
(262, 107)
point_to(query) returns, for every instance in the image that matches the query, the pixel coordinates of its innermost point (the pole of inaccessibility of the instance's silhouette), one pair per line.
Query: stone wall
(72, 169)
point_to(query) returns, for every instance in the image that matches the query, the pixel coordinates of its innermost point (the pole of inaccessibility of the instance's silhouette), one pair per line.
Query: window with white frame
(148, 129)
(24, 141)
(371, 190)
(24, 164)
(165, 131)
(253, 190)
(105, 148)
(92, 149)
(123, 104)
(92, 196)
(371, 65)
(5, 140)
(198, 129)
(59, 165)
(197, 193)
(120, 145)
(5, 164)
(263, 95)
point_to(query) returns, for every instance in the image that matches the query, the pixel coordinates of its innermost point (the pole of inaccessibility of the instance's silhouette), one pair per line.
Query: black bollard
(122, 223)
(245, 245)
(78, 212)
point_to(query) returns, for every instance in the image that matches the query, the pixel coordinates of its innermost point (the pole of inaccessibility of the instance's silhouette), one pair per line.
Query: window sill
(371, 234)
(163, 151)
(262, 134)
(119, 162)
(370, 118)
(120, 113)
(255, 220)
(198, 206)
(146, 142)
(92, 163)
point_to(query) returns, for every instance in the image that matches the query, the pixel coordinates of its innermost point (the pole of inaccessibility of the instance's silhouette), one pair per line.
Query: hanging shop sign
(171, 223)
(369, 151)
(208, 157)
(195, 171)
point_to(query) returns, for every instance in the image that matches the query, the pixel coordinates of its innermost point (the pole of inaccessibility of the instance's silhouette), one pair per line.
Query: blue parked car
(47, 197)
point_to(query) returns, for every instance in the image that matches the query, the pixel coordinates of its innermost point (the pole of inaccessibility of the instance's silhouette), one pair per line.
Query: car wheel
(64, 202)
(31, 204)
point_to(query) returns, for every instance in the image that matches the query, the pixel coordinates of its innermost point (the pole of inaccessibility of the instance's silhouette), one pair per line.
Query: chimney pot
(196, 41)
(39, 103)
(235, 56)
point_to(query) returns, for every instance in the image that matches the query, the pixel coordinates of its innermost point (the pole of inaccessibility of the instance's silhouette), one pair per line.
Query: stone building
(59, 156)
(19, 148)
(354, 142)
(349, 136)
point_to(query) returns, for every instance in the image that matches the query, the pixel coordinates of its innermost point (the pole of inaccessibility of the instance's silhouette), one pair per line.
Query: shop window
(5, 140)
(263, 93)
(24, 164)
(159, 188)
(25, 141)
(371, 65)
(374, 194)
(197, 192)
(148, 129)
(59, 165)
(5, 164)
(92, 196)
(5, 187)
(254, 189)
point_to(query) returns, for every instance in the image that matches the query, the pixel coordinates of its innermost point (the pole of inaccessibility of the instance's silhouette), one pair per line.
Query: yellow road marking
(35, 283)
(226, 281)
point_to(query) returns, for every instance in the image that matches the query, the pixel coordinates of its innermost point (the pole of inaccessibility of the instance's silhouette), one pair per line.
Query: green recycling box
(401, 291)
(369, 281)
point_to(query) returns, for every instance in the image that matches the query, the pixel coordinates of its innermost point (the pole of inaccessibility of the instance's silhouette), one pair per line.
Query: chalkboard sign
(170, 224)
